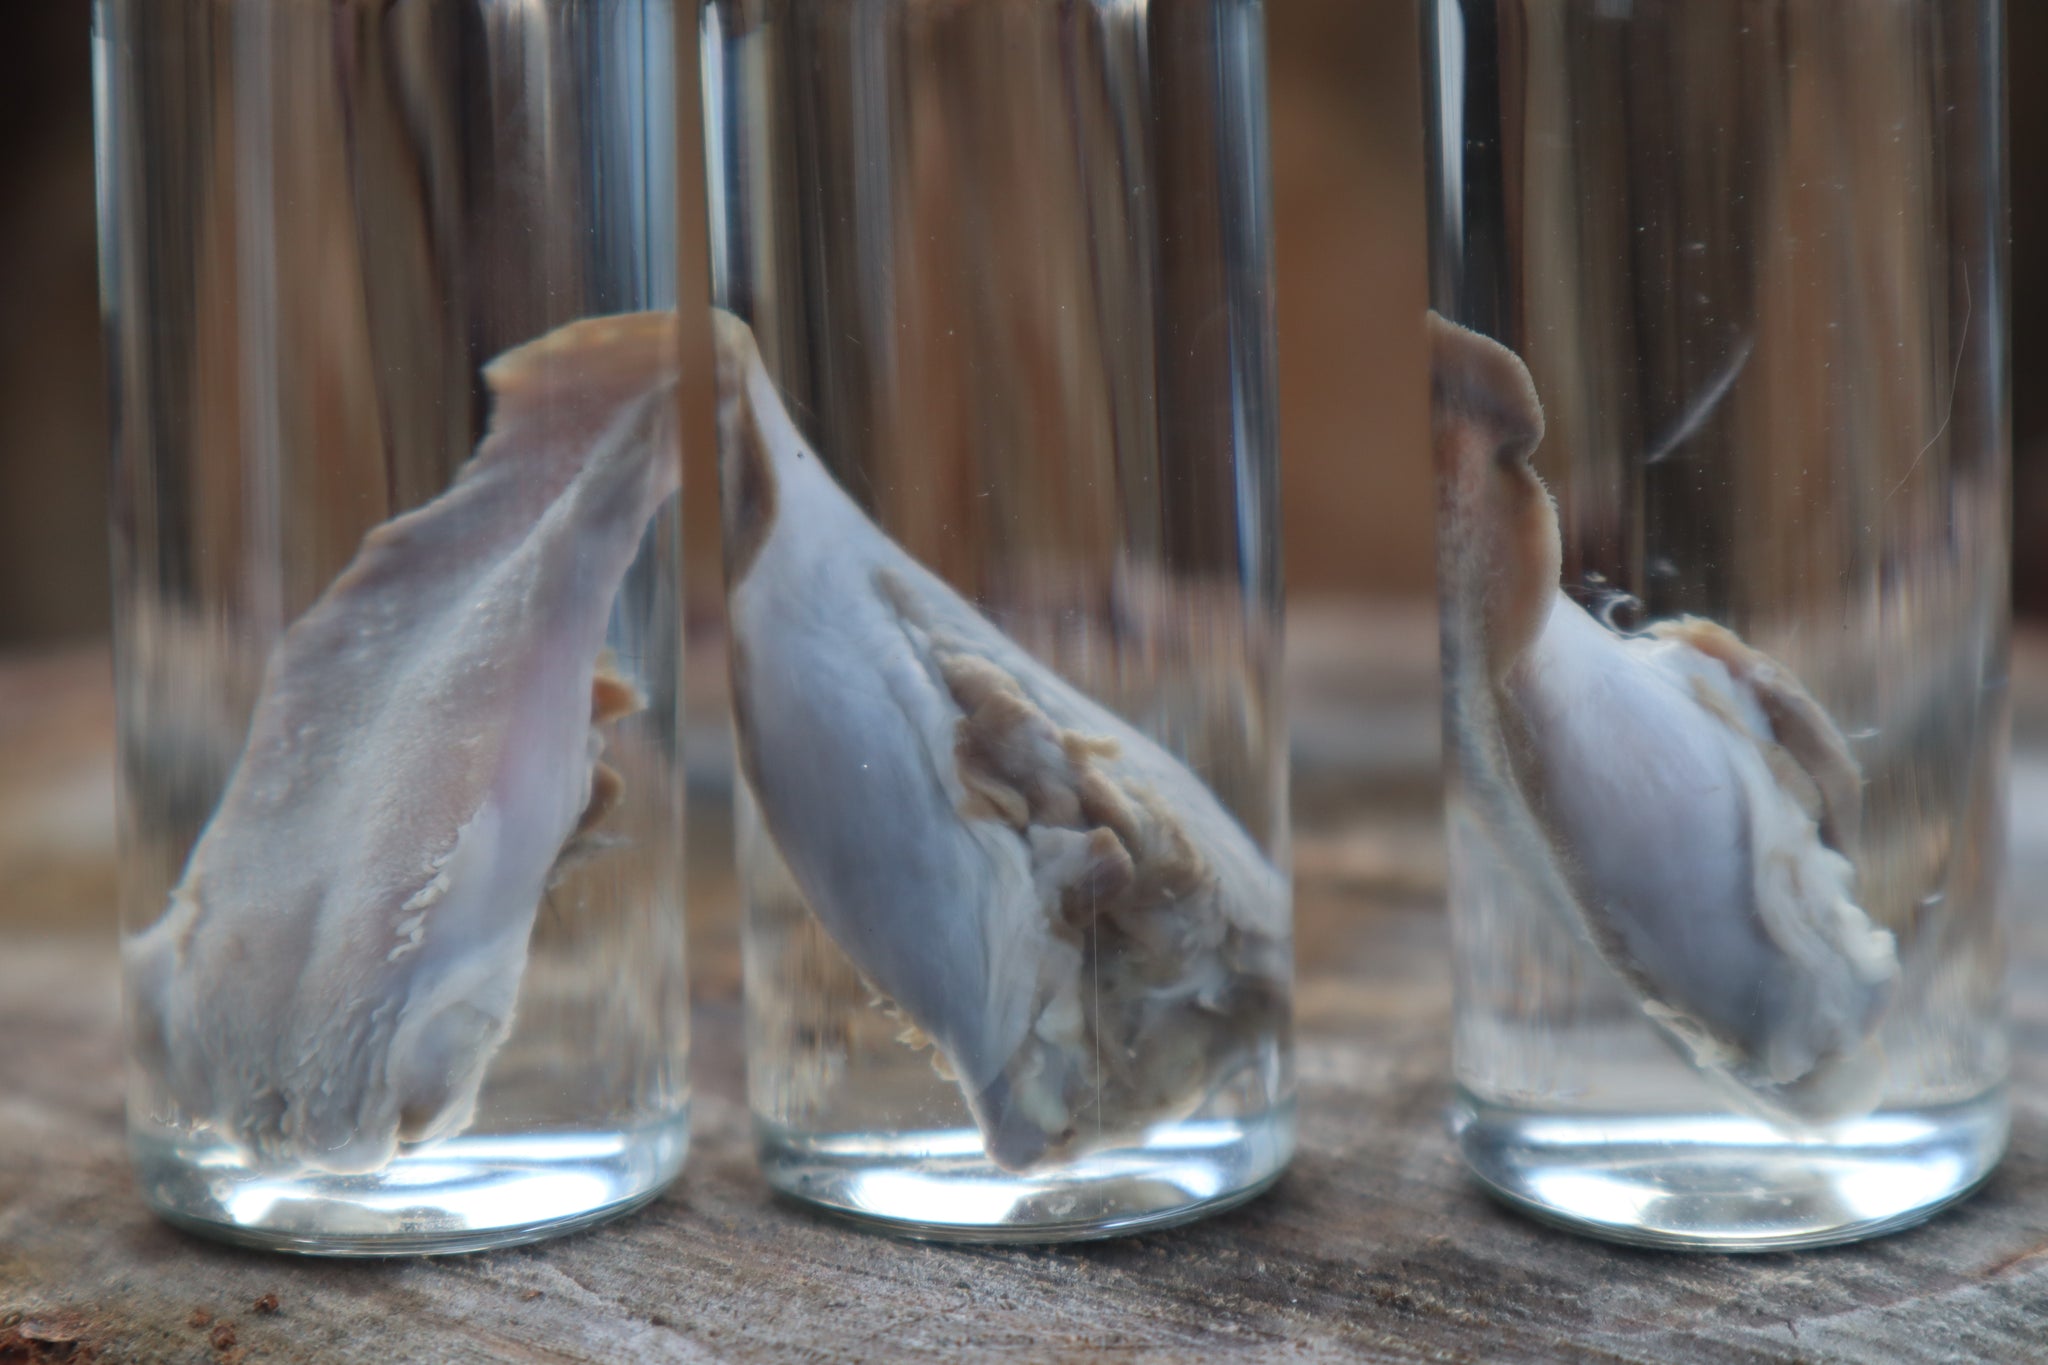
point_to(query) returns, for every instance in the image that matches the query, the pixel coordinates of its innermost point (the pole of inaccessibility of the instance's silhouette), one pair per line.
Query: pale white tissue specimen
(341, 957)
(1698, 805)
(1055, 902)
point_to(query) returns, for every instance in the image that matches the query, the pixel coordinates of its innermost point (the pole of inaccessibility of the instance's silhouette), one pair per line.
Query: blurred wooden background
(1346, 129)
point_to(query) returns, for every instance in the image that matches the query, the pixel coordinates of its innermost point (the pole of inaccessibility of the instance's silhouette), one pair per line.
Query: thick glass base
(1719, 1182)
(939, 1186)
(469, 1193)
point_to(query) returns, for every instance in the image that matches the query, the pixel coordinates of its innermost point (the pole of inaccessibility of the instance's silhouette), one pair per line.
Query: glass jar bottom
(939, 1186)
(469, 1193)
(1721, 1182)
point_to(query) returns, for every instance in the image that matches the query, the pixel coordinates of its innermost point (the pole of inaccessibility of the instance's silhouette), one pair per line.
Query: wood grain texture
(1373, 1247)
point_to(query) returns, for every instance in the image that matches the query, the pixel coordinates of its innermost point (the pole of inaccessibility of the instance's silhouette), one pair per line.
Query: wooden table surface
(1374, 1246)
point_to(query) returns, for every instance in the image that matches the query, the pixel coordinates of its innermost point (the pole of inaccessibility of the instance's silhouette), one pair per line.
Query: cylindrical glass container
(1725, 606)
(994, 328)
(396, 642)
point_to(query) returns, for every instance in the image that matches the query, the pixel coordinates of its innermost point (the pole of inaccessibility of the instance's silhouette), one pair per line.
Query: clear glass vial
(1724, 571)
(396, 643)
(996, 420)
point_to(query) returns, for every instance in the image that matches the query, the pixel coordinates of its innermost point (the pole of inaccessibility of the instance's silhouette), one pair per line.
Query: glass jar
(993, 314)
(396, 633)
(1724, 560)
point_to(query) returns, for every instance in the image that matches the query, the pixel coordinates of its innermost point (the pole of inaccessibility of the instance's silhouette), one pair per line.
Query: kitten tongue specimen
(341, 958)
(1696, 801)
(1055, 901)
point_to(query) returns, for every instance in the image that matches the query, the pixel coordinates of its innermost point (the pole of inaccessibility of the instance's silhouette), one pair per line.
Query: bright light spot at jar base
(488, 1203)
(1876, 1131)
(1597, 1199)
(965, 1203)
(1881, 1191)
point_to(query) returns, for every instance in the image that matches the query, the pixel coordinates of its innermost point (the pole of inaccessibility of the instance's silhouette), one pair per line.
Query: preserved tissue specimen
(340, 960)
(1055, 903)
(1696, 805)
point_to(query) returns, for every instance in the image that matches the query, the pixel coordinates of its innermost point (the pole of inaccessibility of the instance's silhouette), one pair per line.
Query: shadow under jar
(1724, 555)
(396, 635)
(998, 471)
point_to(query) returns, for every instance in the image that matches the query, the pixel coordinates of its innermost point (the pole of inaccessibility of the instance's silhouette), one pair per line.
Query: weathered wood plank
(1373, 1247)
